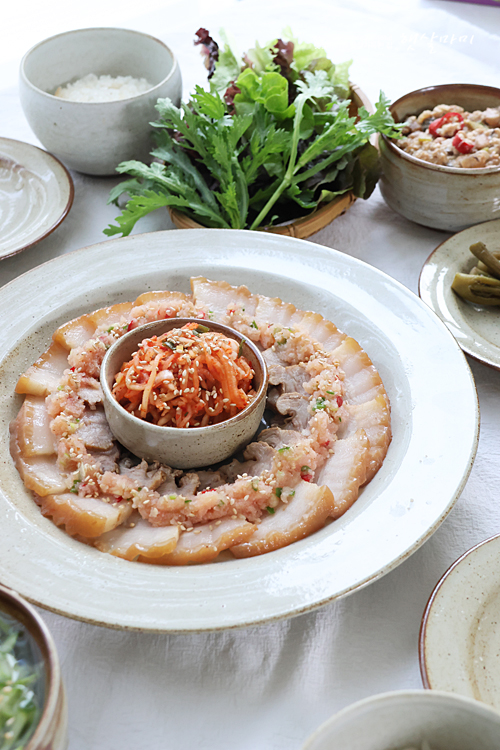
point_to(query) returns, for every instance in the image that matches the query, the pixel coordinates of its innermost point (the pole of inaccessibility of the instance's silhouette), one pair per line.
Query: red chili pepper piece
(436, 124)
(130, 325)
(462, 145)
(305, 474)
(340, 401)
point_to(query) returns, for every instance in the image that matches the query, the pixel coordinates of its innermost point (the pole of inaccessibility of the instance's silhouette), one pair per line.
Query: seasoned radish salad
(188, 377)
(327, 435)
(452, 137)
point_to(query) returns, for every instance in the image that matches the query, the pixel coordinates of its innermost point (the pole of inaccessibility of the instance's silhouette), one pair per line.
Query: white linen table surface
(269, 687)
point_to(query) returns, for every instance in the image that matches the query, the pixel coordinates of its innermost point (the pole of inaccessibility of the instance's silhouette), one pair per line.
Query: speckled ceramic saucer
(475, 327)
(36, 194)
(460, 638)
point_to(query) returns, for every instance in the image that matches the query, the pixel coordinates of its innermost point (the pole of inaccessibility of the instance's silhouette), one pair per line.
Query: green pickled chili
(482, 290)
(489, 260)
(19, 706)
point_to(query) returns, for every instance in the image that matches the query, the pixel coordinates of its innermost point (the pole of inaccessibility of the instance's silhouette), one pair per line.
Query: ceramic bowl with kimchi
(185, 392)
(444, 172)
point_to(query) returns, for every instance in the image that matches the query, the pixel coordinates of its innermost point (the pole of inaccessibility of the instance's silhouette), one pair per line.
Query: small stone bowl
(51, 732)
(448, 198)
(404, 719)
(183, 448)
(94, 137)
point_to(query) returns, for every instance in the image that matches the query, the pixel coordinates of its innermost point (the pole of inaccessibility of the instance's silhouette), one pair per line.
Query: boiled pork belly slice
(33, 432)
(206, 541)
(362, 381)
(303, 514)
(84, 516)
(39, 473)
(151, 476)
(93, 430)
(321, 330)
(74, 333)
(345, 471)
(374, 417)
(110, 315)
(137, 539)
(272, 310)
(44, 375)
(218, 296)
(162, 296)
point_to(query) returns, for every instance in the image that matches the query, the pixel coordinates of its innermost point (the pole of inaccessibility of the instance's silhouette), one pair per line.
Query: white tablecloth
(270, 686)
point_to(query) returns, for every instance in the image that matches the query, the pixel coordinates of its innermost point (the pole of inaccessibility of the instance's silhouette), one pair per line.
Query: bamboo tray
(317, 219)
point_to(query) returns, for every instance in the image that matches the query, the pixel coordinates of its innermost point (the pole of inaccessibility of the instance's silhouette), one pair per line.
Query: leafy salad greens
(273, 138)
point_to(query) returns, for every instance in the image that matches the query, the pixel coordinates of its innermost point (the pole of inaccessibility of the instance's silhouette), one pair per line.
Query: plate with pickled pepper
(460, 281)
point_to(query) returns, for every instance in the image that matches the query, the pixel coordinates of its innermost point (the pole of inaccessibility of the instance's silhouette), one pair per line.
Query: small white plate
(475, 327)
(425, 470)
(36, 194)
(460, 635)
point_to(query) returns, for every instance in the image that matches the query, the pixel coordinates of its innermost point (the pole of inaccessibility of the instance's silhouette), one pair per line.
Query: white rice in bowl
(92, 88)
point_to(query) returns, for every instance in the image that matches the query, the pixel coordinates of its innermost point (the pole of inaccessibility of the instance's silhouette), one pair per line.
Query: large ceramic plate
(434, 416)
(460, 638)
(36, 194)
(475, 327)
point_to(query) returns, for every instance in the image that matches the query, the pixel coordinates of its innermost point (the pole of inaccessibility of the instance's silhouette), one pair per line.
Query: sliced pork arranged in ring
(327, 435)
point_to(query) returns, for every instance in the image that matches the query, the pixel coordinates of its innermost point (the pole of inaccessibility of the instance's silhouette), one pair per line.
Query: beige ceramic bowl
(51, 731)
(94, 137)
(404, 719)
(449, 198)
(190, 447)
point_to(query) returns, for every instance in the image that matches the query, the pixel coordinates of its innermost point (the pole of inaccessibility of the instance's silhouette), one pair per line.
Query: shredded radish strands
(188, 377)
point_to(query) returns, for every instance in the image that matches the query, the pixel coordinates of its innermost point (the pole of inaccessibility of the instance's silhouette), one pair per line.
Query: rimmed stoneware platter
(36, 194)
(475, 327)
(427, 465)
(459, 639)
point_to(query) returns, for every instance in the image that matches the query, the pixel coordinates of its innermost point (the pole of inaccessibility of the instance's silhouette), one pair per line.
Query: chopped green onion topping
(187, 501)
(111, 328)
(255, 485)
(331, 393)
(74, 487)
(278, 491)
(291, 493)
(285, 448)
(270, 510)
(19, 712)
(253, 324)
(202, 329)
(320, 404)
(172, 497)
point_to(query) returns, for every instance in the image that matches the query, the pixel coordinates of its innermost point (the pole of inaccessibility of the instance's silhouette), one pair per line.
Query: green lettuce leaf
(269, 89)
